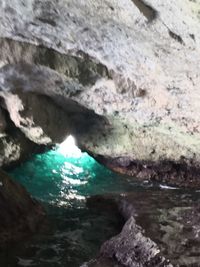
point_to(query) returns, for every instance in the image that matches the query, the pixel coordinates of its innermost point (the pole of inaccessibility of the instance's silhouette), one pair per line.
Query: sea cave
(99, 133)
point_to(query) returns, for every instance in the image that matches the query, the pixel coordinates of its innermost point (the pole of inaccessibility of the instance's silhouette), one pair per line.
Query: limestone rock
(15, 147)
(134, 62)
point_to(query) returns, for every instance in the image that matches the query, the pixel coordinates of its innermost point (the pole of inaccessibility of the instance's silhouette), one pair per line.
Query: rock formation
(121, 75)
(20, 215)
(155, 233)
(132, 249)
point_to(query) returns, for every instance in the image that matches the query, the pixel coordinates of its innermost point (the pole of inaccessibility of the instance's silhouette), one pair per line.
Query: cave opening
(81, 197)
(84, 201)
(67, 181)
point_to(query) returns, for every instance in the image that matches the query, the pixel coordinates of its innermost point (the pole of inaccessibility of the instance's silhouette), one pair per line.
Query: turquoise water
(62, 182)
(63, 179)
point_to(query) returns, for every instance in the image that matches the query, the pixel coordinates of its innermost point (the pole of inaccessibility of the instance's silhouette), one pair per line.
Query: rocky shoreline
(182, 174)
(155, 232)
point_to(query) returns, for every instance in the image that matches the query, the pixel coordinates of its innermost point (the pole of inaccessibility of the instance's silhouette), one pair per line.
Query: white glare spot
(71, 169)
(71, 181)
(68, 148)
(167, 187)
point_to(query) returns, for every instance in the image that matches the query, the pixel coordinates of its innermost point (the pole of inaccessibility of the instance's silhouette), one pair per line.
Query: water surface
(63, 180)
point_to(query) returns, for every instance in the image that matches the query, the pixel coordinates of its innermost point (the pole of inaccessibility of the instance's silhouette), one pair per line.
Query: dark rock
(20, 215)
(161, 229)
(102, 262)
(171, 219)
(132, 248)
(182, 173)
(2, 122)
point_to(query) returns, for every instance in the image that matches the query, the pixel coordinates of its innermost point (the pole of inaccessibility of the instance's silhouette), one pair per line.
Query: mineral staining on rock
(130, 65)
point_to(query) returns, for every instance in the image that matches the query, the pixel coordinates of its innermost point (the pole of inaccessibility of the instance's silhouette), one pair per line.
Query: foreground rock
(20, 215)
(161, 229)
(132, 249)
(131, 62)
(171, 219)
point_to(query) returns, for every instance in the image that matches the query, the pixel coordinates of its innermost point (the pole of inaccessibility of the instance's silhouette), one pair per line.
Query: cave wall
(20, 215)
(124, 73)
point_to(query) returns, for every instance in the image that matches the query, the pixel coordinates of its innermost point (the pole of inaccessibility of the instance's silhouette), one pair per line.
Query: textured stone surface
(14, 146)
(20, 214)
(171, 219)
(132, 249)
(161, 226)
(142, 71)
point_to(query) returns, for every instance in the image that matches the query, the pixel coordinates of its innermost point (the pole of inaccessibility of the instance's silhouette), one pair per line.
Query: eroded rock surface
(132, 249)
(161, 229)
(133, 62)
(20, 214)
(171, 219)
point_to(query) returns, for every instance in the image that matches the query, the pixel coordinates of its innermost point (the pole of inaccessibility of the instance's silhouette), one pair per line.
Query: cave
(99, 133)
(61, 179)
(79, 206)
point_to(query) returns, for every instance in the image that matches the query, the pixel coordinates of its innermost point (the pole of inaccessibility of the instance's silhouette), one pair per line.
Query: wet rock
(132, 249)
(183, 173)
(20, 215)
(170, 218)
(161, 229)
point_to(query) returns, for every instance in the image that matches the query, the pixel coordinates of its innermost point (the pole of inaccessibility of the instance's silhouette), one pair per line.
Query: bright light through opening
(68, 148)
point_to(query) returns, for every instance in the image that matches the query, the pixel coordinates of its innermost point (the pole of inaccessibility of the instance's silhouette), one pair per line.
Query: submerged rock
(20, 215)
